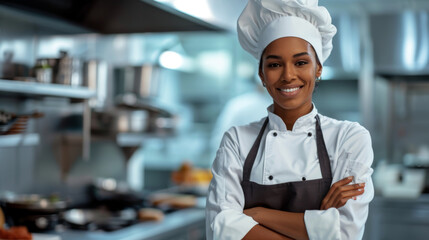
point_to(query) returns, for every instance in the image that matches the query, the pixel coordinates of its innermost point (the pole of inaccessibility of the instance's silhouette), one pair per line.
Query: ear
(261, 76)
(319, 69)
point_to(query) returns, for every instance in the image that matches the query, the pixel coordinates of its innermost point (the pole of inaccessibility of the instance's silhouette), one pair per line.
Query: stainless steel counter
(184, 224)
(393, 218)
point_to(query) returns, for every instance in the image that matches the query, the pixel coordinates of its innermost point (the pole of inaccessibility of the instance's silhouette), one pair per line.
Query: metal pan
(100, 218)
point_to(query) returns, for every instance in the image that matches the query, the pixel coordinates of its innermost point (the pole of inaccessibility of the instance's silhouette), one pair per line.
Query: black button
(270, 177)
(275, 134)
(309, 134)
(303, 178)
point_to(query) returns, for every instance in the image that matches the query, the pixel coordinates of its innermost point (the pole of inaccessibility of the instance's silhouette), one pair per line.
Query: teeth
(289, 89)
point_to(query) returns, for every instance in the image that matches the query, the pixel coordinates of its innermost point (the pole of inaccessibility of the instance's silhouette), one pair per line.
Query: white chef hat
(263, 21)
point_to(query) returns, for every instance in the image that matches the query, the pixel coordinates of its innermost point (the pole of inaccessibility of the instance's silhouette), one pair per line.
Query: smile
(288, 90)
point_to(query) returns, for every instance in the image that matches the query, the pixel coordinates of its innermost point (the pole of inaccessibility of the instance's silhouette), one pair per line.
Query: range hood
(113, 16)
(401, 43)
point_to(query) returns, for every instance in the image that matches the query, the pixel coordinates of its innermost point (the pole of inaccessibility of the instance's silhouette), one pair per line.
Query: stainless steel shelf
(15, 140)
(137, 139)
(35, 89)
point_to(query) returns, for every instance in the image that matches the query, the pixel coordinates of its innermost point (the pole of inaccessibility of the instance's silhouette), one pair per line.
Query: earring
(263, 84)
(318, 79)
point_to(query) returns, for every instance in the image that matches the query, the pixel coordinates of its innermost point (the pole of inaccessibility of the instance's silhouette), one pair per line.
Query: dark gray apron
(291, 196)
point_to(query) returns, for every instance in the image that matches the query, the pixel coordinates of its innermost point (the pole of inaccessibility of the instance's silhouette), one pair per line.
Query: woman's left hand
(341, 192)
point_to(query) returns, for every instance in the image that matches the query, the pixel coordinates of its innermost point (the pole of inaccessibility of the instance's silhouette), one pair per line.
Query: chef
(295, 174)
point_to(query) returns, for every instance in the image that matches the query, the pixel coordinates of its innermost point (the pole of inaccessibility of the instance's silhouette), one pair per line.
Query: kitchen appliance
(131, 17)
(401, 42)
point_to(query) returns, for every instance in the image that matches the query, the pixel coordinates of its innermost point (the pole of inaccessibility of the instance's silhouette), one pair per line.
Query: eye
(300, 63)
(273, 65)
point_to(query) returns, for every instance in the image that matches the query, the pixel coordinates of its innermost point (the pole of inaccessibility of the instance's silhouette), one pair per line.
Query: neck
(289, 117)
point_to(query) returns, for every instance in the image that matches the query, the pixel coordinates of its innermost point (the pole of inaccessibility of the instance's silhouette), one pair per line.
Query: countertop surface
(141, 231)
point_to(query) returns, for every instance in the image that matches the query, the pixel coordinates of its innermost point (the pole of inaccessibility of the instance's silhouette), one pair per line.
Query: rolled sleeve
(348, 222)
(231, 224)
(225, 200)
(358, 154)
(322, 224)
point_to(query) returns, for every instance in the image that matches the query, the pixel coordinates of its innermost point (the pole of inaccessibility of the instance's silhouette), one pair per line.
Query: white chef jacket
(287, 157)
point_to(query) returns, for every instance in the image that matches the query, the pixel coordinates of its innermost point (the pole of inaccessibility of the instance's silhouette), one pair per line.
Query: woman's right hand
(340, 192)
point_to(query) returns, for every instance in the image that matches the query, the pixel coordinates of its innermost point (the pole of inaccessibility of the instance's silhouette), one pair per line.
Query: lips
(289, 91)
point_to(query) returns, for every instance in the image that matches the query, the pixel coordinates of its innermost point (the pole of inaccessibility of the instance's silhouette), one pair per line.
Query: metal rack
(36, 90)
(14, 140)
(18, 89)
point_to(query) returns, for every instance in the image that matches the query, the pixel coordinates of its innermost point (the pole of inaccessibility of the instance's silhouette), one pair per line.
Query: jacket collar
(303, 123)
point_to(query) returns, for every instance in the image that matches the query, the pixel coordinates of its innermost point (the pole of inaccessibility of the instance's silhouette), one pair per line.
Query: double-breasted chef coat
(289, 159)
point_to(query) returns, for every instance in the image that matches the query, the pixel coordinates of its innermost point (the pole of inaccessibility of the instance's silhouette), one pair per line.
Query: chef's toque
(263, 21)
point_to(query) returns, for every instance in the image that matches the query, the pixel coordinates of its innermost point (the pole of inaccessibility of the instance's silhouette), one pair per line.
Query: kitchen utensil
(126, 120)
(69, 70)
(36, 212)
(99, 218)
(143, 81)
(11, 70)
(115, 195)
(63, 70)
(11, 123)
(44, 71)
(95, 77)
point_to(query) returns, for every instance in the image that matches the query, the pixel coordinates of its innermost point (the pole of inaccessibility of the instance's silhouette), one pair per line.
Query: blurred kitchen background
(136, 93)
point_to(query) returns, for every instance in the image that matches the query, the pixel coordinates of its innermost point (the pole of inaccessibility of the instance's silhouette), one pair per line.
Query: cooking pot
(35, 212)
(143, 81)
(141, 117)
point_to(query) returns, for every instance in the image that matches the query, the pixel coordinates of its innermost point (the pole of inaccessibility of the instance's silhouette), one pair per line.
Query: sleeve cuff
(232, 224)
(322, 224)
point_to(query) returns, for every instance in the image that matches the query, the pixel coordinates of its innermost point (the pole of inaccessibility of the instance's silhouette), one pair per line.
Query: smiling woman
(288, 74)
(295, 174)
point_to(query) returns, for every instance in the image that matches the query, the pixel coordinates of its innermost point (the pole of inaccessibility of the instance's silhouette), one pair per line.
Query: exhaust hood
(401, 43)
(112, 16)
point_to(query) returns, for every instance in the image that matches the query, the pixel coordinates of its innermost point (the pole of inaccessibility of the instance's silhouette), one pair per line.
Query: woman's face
(288, 70)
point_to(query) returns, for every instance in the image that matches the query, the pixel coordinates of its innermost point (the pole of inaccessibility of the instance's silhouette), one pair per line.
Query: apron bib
(291, 196)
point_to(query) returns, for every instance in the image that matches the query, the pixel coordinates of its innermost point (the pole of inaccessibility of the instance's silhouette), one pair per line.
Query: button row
(271, 178)
(309, 134)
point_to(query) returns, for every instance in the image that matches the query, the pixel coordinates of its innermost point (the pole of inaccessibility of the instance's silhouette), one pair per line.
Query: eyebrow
(301, 54)
(295, 55)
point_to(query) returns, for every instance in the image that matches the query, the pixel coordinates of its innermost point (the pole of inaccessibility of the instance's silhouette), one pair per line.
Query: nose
(289, 73)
